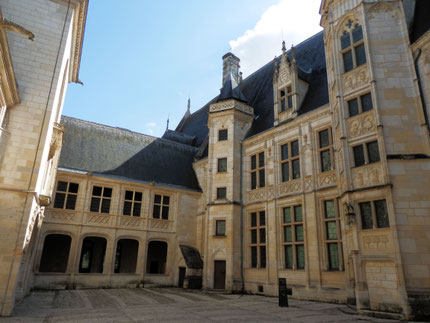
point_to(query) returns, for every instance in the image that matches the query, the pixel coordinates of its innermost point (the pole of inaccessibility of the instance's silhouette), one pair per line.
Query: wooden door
(219, 274)
(181, 278)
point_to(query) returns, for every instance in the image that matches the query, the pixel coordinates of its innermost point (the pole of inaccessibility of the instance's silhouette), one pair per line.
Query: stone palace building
(315, 168)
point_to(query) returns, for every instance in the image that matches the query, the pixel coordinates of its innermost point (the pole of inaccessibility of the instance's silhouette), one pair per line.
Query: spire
(167, 126)
(231, 79)
(284, 49)
(188, 105)
(293, 54)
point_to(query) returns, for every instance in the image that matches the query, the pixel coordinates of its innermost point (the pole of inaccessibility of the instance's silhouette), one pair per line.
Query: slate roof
(421, 23)
(258, 90)
(121, 153)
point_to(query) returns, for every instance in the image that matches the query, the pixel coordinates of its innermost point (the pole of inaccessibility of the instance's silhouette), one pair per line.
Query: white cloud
(151, 124)
(289, 20)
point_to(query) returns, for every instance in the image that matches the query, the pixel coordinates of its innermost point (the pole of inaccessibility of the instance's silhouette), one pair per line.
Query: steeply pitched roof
(122, 153)
(258, 90)
(421, 21)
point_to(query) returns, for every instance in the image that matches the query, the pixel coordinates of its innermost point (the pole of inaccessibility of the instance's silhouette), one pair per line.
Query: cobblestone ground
(171, 304)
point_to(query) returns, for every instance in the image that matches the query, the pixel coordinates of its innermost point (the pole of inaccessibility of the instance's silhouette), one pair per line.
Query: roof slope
(119, 152)
(258, 90)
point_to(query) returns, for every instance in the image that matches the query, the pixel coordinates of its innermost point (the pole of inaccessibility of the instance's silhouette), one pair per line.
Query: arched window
(92, 255)
(352, 46)
(126, 256)
(157, 256)
(55, 254)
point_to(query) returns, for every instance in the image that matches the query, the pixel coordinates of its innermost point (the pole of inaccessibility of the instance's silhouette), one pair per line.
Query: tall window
(286, 98)
(366, 153)
(374, 214)
(220, 227)
(161, 207)
(222, 134)
(132, 203)
(100, 199)
(258, 239)
(333, 238)
(290, 161)
(294, 240)
(360, 104)
(222, 165)
(352, 47)
(257, 171)
(66, 195)
(326, 150)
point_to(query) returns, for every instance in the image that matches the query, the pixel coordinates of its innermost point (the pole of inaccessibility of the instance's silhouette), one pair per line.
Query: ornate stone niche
(361, 125)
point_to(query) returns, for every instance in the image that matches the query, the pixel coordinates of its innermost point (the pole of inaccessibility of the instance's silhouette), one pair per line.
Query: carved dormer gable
(289, 89)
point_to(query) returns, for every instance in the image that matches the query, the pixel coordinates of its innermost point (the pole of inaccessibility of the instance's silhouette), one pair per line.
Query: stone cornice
(77, 39)
(231, 104)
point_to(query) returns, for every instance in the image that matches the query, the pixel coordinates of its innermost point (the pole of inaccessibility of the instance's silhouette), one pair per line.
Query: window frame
(374, 215)
(219, 164)
(258, 244)
(352, 46)
(338, 241)
(258, 170)
(217, 233)
(101, 198)
(293, 243)
(161, 206)
(133, 202)
(329, 148)
(290, 161)
(359, 99)
(284, 100)
(365, 147)
(66, 193)
(220, 138)
(218, 190)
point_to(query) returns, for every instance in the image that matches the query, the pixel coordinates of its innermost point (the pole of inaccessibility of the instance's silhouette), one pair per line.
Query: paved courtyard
(171, 304)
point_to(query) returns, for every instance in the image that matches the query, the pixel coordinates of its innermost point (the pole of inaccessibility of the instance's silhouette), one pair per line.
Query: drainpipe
(241, 219)
(420, 88)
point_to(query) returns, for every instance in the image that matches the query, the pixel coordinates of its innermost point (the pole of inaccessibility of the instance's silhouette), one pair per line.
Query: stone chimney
(230, 65)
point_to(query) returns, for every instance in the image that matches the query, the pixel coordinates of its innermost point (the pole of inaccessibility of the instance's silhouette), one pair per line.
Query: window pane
(138, 196)
(95, 203)
(347, 61)
(156, 212)
(71, 202)
(254, 257)
(290, 101)
(59, 200)
(373, 150)
(221, 193)
(261, 178)
(287, 215)
(357, 34)
(254, 162)
(222, 165)
(261, 159)
(295, 148)
(289, 257)
(165, 213)
(360, 55)
(329, 209)
(345, 40)
(366, 102)
(220, 227)
(300, 250)
(62, 186)
(331, 229)
(136, 209)
(382, 214)
(296, 168)
(333, 256)
(263, 257)
(299, 233)
(253, 180)
(107, 192)
(284, 152)
(288, 237)
(128, 195)
(166, 200)
(325, 161)
(127, 208)
(262, 235)
(97, 191)
(324, 138)
(222, 134)
(353, 107)
(105, 206)
(366, 215)
(358, 155)
(253, 219)
(254, 236)
(73, 188)
(157, 199)
(262, 218)
(298, 213)
(283, 107)
(285, 172)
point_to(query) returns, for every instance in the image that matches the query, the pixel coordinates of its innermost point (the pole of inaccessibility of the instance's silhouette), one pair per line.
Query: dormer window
(286, 98)
(352, 47)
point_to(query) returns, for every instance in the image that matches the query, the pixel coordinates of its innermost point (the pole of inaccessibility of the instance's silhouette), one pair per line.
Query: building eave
(78, 32)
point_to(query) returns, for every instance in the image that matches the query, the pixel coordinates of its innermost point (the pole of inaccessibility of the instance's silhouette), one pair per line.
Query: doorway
(182, 271)
(219, 274)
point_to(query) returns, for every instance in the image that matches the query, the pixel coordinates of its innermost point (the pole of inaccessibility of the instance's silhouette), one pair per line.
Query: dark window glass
(299, 233)
(331, 229)
(333, 256)
(329, 209)
(136, 209)
(324, 138)
(358, 155)
(283, 107)
(287, 215)
(254, 236)
(289, 257)
(138, 196)
(157, 199)
(284, 152)
(261, 178)
(71, 202)
(296, 168)
(97, 191)
(221, 193)
(373, 150)
(360, 55)
(253, 219)
(282, 93)
(95, 204)
(382, 214)
(288, 236)
(357, 34)
(59, 200)
(62, 186)
(294, 148)
(156, 212)
(128, 195)
(300, 250)
(254, 257)
(127, 208)
(290, 101)
(105, 206)
(347, 61)
(366, 102)
(285, 172)
(222, 165)
(253, 161)
(222, 134)
(107, 192)
(345, 41)
(262, 256)
(220, 227)
(298, 213)
(262, 235)
(261, 159)
(366, 215)
(353, 107)
(253, 181)
(166, 200)
(325, 161)
(262, 218)
(73, 188)
(165, 213)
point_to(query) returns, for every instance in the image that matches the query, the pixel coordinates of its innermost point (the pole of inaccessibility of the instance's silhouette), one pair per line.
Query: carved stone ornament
(98, 219)
(231, 104)
(290, 187)
(375, 242)
(128, 221)
(257, 195)
(383, 8)
(355, 79)
(369, 175)
(361, 124)
(327, 179)
(160, 224)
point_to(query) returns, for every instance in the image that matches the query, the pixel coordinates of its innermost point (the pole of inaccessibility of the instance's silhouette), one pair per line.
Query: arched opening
(157, 255)
(55, 254)
(92, 255)
(126, 256)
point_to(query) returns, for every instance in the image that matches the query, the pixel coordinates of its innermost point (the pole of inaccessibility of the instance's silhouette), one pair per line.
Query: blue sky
(143, 59)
